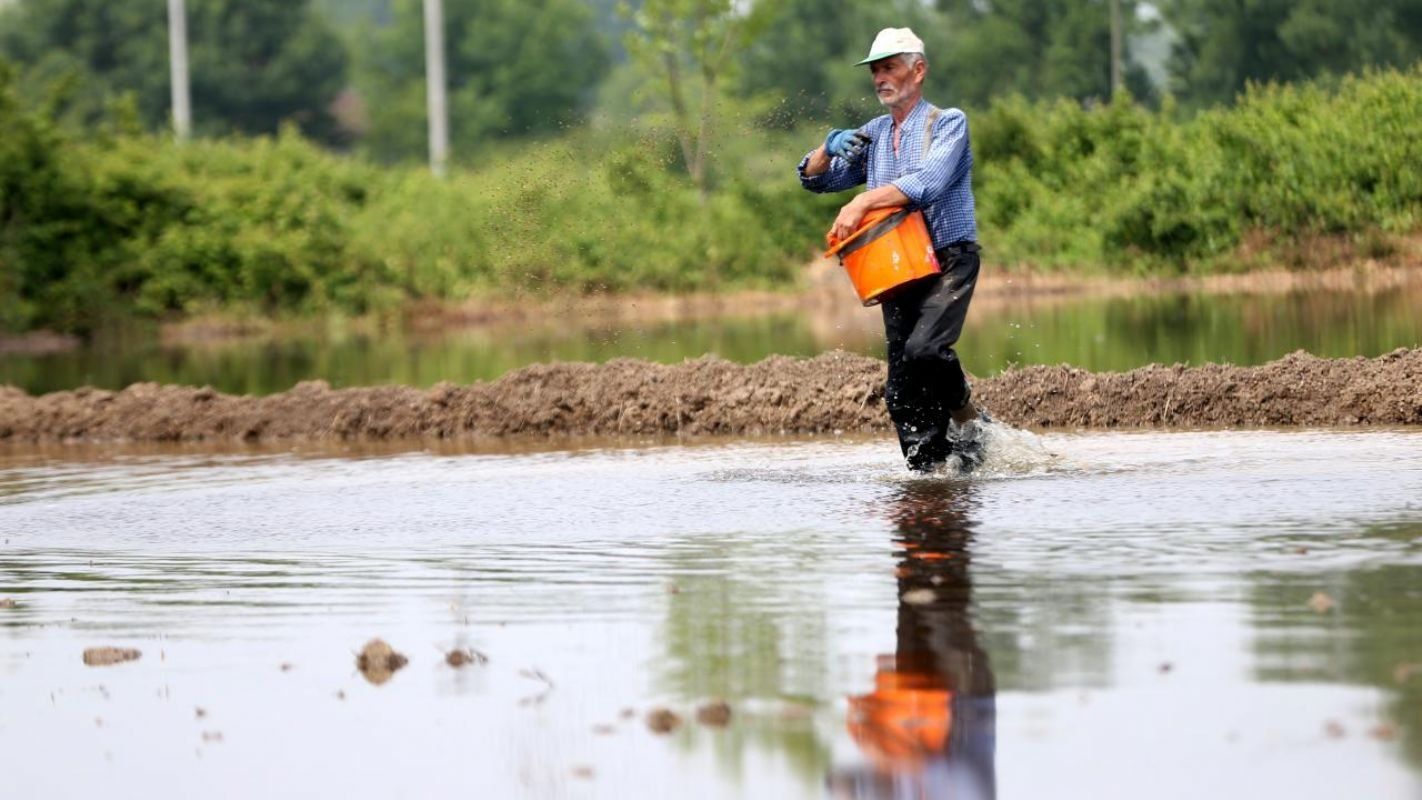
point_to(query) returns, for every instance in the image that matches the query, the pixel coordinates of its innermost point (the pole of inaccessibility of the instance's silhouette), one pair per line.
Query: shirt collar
(917, 111)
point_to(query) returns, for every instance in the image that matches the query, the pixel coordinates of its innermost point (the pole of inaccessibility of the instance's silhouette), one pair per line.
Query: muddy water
(1095, 334)
(1123, 615)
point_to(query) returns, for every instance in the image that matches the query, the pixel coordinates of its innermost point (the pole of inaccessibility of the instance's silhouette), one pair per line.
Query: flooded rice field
(1187, 614)
(1093, 333)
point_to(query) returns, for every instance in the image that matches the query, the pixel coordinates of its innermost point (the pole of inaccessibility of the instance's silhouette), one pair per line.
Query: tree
(1037, 48)
(1224, 44)
(515, 68)
(91, 51)
(688, 45)
(254, 63)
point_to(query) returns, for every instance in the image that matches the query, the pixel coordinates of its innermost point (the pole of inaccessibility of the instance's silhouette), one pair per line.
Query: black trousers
(922, 322)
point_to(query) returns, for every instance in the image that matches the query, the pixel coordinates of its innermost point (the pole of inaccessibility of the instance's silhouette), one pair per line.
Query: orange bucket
(891, 248)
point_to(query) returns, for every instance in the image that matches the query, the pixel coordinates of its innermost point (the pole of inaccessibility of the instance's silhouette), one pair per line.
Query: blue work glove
(847, 144)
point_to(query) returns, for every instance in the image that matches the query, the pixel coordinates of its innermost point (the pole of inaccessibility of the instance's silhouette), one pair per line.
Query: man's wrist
(817, 163)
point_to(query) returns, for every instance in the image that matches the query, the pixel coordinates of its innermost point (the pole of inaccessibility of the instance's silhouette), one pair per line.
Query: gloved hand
(847, 144)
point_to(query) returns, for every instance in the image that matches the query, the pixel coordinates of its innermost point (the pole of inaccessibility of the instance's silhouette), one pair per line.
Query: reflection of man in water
(929, 726)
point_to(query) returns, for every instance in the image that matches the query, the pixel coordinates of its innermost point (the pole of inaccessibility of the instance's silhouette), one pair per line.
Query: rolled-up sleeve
(841, 175)
(945, 162)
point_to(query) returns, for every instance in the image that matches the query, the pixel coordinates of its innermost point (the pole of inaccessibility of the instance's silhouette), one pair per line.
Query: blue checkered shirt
(941, 185)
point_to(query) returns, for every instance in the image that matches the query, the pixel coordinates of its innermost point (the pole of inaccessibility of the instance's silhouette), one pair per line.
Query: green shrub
(122, 223)
(1121, 187)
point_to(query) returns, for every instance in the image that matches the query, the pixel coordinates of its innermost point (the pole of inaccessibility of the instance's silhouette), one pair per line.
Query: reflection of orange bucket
(908, 717)
(891, 248)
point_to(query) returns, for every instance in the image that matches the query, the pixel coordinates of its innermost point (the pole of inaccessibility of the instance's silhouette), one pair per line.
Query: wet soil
(379, 662)
(663, 720)
(464, 657)
(831, 393)
(715, 714)
(108, 656)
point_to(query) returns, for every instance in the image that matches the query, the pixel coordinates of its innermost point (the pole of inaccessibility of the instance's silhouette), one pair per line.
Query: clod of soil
(1402, 673)
(105, 656)
(833, 392)
(715, 714)
(583, 772)
(663, 720)
(212, 736)
(1385, 732)
(379, 661)
(1321, 603)
(1334, 729)
(465, 657)
(6, 602)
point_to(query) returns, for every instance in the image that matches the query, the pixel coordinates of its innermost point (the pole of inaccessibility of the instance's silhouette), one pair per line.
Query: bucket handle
(865, 234)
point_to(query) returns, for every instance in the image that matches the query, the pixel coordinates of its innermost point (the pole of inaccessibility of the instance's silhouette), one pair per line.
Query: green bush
(1120, 187)
(264, 223)
(64, 229)
(123, 223)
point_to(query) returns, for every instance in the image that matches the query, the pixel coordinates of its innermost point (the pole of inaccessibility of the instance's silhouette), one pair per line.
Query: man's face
(893, 81)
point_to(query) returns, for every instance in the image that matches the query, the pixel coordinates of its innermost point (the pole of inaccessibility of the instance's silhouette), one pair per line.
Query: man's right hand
(847, 144)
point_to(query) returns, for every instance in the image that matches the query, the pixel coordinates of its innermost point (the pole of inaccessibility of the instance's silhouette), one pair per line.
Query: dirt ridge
(829, 393)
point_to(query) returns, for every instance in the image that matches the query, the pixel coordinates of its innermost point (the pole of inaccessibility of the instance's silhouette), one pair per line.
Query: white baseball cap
(893, 42)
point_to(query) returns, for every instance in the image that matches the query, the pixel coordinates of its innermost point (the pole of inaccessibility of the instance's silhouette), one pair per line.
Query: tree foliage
(689, 46)
(1035, 48)
(253, 63)
(514, 68)
(89, 51)
(1225, 44)
(257, 64)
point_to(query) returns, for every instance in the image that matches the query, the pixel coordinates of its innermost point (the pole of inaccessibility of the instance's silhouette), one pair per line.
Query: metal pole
(178, 68)
(1116, 43)
(435, 86)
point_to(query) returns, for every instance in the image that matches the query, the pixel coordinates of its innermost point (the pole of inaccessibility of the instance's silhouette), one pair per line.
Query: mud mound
(828, 393)
(1298, 389)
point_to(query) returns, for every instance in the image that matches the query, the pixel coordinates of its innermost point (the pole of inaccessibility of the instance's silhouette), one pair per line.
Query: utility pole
(435, 86)
(1116, 46)
(178, 69)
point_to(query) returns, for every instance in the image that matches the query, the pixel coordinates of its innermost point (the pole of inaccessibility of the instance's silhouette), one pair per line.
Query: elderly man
(916, 155)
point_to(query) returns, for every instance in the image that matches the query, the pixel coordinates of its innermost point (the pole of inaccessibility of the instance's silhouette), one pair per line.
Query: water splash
(1008, 452)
